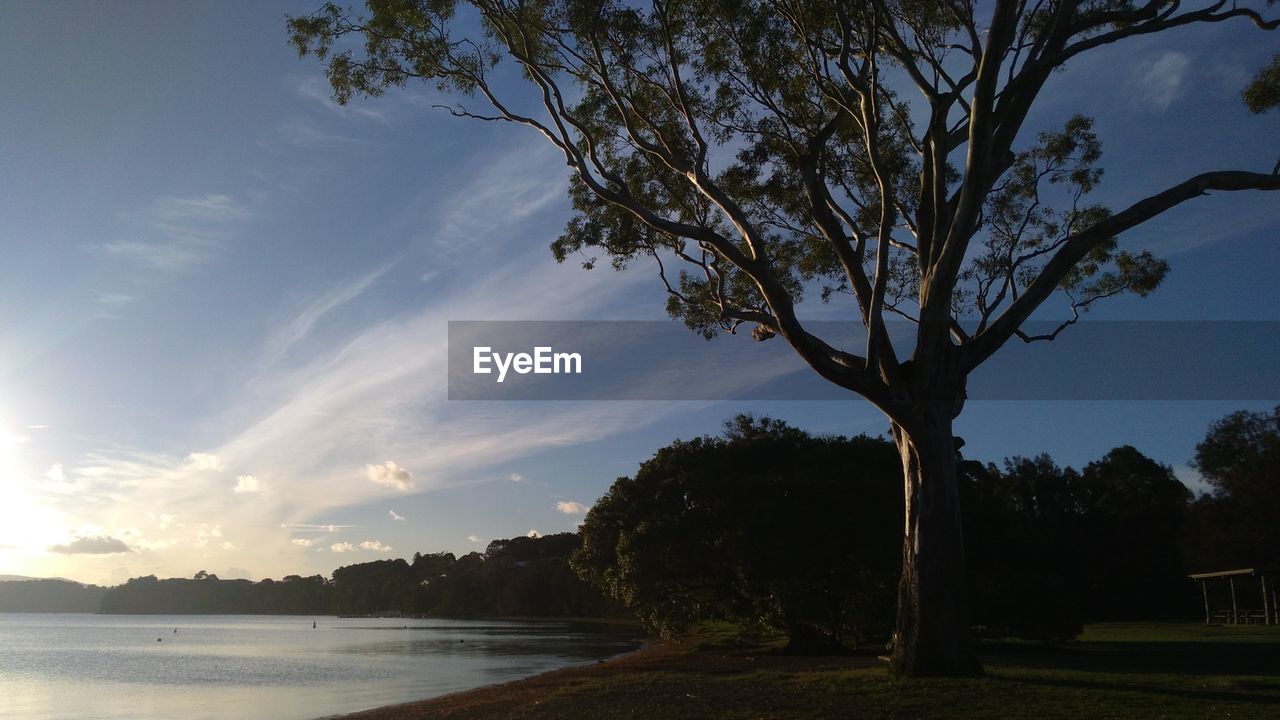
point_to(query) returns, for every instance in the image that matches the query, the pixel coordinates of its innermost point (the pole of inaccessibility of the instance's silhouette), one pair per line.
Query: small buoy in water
(461, 640)
(159, 639)
(313, 624)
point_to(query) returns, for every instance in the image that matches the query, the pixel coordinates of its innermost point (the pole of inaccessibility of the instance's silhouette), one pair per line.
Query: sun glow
(26, 525)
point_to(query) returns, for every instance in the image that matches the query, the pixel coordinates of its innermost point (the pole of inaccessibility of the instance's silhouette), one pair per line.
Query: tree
(766, 525)
(761, 146)
(1134, 511)
(1236, 523)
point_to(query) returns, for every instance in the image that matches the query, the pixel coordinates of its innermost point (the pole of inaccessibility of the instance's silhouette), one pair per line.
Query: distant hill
(47, 595)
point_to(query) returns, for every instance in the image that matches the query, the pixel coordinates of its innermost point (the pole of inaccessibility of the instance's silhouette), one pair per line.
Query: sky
(224, 298)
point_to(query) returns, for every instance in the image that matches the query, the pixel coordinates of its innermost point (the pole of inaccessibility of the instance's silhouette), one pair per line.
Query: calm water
(56, 667)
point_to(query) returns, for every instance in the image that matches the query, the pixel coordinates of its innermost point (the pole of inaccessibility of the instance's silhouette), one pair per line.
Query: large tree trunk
(932, 636)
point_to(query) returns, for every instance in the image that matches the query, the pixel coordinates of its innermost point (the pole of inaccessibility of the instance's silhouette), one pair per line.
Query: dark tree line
(518, 577)
(207, 594)
(770, 526)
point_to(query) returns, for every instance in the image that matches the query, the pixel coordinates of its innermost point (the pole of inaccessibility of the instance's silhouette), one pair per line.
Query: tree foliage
(1052, 547)
(765, 525)
(762, 147)
(1236, 522)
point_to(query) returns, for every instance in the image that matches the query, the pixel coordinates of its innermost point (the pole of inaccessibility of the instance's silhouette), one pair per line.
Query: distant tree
(1236, 524)
(1135, 513)
(764, 525)
(1052, 547)
(1023, 529)
(763, 147)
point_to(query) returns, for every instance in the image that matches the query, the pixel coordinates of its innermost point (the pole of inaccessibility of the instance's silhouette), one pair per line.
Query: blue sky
(223, 298)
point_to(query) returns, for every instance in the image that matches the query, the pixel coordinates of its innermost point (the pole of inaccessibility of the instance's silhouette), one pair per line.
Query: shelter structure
(1252, 597)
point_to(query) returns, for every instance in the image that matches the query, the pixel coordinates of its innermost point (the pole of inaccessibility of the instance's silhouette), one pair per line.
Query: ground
(1112, 671)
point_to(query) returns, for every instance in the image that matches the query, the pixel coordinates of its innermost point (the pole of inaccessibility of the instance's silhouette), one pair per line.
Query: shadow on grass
(1181, 693)
(1148, 658)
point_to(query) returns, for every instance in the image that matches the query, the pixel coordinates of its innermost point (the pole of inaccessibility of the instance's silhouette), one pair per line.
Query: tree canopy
(765, 525)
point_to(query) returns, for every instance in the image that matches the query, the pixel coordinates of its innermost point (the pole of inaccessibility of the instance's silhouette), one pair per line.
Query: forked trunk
(932, 635)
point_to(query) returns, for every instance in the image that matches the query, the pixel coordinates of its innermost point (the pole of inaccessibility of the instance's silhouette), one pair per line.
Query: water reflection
(71, 666)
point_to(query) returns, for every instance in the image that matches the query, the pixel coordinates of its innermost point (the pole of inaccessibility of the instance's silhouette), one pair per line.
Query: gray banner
(662, 360)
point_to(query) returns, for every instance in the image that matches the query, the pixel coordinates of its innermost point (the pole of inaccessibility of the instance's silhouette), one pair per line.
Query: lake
(59, 667)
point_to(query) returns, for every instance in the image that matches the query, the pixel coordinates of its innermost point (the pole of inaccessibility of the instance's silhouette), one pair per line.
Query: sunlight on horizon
(27, 528)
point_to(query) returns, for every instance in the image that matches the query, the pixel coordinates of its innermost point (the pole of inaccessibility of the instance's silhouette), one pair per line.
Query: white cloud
(342, 547)
(205, 461)
(396, 516)
(570, 508)
(1162, 80)
(391, 475)
(302, 542)
(55, 473)
(474, 538)
(228, 545)
(247, 484)
(517, 477)
(375, 545)
(94, 545)
(533, 534)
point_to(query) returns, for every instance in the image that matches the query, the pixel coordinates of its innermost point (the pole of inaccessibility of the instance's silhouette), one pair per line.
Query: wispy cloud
(302, 323)
(1161, 80)
(317, 90)
(175, 234)
(396, 516)
(247, 484)
(375, 545)
(304, 134)
(310, 527)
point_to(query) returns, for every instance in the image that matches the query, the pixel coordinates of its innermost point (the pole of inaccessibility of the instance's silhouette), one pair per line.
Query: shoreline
(463, 703)
(1117, 671)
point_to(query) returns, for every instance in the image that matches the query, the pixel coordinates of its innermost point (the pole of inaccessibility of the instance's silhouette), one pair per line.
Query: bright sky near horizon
(223, 298)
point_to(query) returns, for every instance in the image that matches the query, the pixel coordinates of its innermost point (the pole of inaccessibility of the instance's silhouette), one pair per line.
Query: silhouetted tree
(1236, 524)
(764, 525)
(763, 147)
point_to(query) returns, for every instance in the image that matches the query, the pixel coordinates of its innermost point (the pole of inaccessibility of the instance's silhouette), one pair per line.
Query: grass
(1112, 671)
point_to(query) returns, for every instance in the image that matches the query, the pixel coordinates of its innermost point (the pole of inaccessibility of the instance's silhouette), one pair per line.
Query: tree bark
(932, 636)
